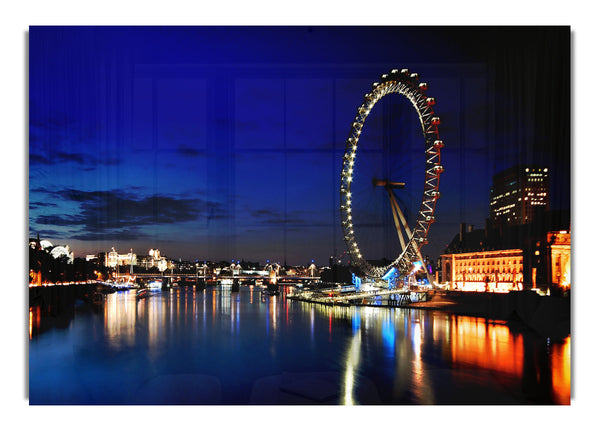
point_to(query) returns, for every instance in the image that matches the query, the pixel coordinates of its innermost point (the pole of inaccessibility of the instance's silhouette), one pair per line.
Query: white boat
(154, 285)
(123, 285)
(118, 284)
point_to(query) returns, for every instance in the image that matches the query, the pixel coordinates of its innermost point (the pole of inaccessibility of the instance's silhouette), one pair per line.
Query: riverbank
(547, 316)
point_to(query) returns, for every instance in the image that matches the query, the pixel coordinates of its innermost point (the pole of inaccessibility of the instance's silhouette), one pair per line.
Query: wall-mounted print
(295, 215)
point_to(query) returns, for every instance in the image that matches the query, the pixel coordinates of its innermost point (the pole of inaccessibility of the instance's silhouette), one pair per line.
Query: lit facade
(518, 193)
(113, 259)
(560, 258)
(484, 271)
(154, 259)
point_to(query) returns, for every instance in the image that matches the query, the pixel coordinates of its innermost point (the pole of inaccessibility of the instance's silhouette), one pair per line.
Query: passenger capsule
(430, 101)
(414, 76)
(404, 71)
(438, 169)
(423, 86)
(436, 121)
(438, 143)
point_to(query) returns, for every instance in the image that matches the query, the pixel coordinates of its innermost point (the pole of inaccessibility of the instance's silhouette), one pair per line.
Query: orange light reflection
(486, 345)
(561, 372)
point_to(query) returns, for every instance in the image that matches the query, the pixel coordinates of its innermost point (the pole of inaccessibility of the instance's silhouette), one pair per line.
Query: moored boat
(119, 283)
(142, 293)
(155, 285)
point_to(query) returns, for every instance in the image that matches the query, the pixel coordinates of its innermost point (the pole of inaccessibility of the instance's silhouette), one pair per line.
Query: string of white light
(407, 84)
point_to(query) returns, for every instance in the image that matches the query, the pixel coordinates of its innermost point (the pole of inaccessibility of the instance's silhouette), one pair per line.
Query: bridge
(240, 277)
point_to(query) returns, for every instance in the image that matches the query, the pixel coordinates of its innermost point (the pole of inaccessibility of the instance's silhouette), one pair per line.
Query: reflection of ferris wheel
(411, 239)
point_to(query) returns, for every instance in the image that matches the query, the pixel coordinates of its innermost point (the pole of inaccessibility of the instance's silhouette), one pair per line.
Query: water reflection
(561, 371)
(426, 345)
(352, 365)
(409, 356)
(485, 345)
(119, 319)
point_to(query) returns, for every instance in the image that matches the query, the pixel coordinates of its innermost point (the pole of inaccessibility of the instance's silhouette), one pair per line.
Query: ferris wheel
(411, 237)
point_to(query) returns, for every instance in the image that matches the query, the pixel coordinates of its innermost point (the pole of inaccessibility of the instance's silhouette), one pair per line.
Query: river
(213, 346)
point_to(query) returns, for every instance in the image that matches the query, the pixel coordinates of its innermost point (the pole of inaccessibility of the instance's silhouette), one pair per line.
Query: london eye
(389, 189)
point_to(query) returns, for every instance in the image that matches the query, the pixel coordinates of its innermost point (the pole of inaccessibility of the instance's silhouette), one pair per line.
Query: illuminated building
(113, 259)
(154, 259)
(518, 193)
(534, 255)
(524, 245)
(484, 271)
(560, 258)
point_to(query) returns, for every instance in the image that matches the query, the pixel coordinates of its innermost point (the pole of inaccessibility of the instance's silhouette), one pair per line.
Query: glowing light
(566, 277)
(407, 86)
(352, 362)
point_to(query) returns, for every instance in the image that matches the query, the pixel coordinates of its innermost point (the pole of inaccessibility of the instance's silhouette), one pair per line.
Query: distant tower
(518, 193)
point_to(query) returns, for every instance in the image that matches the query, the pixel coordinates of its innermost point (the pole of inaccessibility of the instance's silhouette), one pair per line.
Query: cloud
(46, 233)
(123, 235)
(35, 205)
(114, 214)
(190, 152)
(57, 220)
(86, 161)
(273, 217)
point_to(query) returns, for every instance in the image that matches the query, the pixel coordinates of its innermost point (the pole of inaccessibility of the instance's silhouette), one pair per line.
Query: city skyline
(226, 142)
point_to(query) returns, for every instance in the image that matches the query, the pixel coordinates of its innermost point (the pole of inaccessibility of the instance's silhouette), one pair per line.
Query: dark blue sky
(227, 142)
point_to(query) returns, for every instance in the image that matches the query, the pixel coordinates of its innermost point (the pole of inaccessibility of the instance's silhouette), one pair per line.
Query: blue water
(218, 347)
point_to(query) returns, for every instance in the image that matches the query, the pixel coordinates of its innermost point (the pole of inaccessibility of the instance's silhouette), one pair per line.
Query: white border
(16, 18)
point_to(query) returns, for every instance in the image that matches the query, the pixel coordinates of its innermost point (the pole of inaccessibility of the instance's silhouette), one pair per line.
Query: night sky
(220, 143)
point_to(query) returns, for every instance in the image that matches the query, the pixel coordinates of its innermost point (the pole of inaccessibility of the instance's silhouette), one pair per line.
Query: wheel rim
(406, 84)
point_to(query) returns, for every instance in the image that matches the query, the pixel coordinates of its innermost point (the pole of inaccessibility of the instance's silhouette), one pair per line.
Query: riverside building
(524, 245)
(518, 194)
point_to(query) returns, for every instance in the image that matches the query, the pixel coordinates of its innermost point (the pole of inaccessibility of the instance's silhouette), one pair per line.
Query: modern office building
(518, 194)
